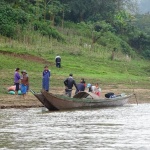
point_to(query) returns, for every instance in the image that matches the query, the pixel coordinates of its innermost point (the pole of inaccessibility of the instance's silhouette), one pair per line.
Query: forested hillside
(107, 23)
(100, 40)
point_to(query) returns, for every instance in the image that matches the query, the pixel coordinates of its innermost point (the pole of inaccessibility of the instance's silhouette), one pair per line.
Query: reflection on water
(122, 128)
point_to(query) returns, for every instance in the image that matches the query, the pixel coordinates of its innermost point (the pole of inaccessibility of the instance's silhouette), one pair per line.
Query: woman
(46, 79)
(24, 83)
(17, 80)
(94, 89)
(97, 89)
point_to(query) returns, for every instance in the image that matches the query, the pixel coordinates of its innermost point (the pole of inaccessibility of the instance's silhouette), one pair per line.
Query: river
(120, 128)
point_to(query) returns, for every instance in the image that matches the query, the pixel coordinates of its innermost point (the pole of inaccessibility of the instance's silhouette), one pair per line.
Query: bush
(45, 29)
(9, 18)
(146, 54)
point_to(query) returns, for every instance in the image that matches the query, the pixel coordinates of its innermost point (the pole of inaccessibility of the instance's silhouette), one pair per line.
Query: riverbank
(13, 101)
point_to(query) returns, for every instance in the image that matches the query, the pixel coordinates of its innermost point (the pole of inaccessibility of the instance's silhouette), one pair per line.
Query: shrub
(45, 29)
(9, 18)
(146, 54)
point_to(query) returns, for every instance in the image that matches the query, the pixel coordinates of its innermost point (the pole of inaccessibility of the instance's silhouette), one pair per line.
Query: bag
(19, 92)
(11, 92)
(109, 95)
(12, 88)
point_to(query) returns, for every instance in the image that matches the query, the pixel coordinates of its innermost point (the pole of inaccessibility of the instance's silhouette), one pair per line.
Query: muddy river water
(120, 128)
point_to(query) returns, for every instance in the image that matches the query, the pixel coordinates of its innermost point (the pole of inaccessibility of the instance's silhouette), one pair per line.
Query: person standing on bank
(69, 82)
(46, 78)
(24, 83)
(17, 80)
(58, 61)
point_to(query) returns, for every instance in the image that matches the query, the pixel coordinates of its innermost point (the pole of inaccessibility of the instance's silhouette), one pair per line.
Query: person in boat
(94, 88)
(83, 81)
(69, 82)
(46, 78)
(97, 89)
(81, 86)
(17, 80)
(24, 83)
(58, 61)
(89, 86)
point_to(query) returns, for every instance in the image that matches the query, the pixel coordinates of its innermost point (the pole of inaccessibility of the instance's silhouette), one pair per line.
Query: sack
(12, 88)
(11, 92)
(19, 92)
(109, 95)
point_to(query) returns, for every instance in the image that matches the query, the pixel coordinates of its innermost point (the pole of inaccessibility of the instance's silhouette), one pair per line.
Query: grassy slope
(94, 65)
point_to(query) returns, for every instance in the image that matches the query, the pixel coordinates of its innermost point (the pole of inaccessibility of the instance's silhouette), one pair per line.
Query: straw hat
(24, 71)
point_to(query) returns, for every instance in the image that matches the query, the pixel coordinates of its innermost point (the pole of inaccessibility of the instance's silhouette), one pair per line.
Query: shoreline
(14, 101)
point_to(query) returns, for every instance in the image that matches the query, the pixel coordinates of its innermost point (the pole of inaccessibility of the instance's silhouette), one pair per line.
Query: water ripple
(122, 128)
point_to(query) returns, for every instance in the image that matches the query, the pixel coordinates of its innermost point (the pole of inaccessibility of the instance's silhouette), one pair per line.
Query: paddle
(131, 85)
(32, 91)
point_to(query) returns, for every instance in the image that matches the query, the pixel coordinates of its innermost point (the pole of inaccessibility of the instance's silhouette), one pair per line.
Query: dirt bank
(13, 101)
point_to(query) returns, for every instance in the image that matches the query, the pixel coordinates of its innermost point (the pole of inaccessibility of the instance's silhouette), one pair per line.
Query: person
(24, 83)
(69, 82)
(46, 78)
(28, 79)
(17, 79)
(89, 86)
(83, 81)
(97, 90)
(94, 88)
(81, 86)
(58, 61)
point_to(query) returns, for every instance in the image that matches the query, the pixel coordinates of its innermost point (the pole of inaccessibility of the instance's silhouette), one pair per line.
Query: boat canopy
(86, 95)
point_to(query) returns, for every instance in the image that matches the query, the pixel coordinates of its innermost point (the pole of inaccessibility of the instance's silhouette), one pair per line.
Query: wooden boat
(84, 100)
(44, 101)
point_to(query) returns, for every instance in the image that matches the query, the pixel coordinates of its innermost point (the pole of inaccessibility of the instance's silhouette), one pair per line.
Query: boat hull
(45, 102)
(76, 103)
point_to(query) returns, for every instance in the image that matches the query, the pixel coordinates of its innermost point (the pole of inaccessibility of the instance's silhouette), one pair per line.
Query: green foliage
(146, 54)
(9, 18)
(102, 26)
(127, 49)
(105, 23)
(46, 30)
(143, 22)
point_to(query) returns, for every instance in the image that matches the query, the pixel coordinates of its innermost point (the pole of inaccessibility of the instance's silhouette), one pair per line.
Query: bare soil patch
(26, 57)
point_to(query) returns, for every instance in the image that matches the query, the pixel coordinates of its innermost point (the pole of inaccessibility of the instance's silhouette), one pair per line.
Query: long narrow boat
(86, 100)
(44, 101)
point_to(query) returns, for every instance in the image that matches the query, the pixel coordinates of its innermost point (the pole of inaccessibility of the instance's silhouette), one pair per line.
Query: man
(58, 61)
(80, 86)
(46, 78)
(69, 82)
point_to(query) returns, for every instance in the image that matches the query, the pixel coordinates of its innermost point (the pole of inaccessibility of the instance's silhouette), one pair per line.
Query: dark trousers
(68, 92)
(58, 64)
(17, 86)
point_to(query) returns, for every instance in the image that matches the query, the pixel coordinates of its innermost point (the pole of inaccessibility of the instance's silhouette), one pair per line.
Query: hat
(88, 85)
(23, 71)
(70, 74)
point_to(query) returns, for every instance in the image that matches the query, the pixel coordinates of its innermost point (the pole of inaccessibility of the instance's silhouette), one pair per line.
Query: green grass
(92, 64)
(105, 72)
